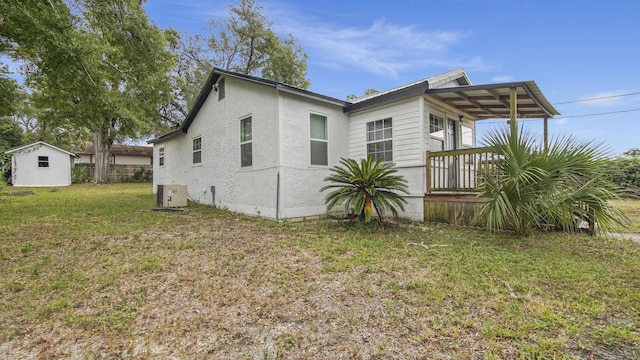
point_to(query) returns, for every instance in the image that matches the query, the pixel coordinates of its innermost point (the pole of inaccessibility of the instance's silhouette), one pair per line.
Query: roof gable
(39, 142)
(211, 82)
(456, 77)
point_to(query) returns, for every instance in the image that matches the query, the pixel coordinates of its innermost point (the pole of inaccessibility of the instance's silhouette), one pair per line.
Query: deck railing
(459, 170)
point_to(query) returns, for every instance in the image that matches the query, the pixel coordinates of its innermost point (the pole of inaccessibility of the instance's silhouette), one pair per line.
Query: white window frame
(312, 139)
(442, 128)
(197, 150)
(371, 137)
(161, 156)
(43, 160)
(244, 142)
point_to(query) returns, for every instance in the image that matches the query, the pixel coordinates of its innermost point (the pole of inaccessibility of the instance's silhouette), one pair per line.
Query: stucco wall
(25, 170)
(250, 190)
(300, 181)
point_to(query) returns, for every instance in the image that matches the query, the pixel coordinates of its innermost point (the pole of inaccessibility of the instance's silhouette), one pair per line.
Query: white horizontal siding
(406, 131)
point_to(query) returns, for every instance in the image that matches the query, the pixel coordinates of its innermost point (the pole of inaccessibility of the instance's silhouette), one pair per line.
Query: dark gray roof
(477, 101)
(213, 79)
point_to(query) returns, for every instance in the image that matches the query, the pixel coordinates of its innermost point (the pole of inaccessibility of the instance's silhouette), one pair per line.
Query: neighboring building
(263, 148)
(120, 154)
(40, 164)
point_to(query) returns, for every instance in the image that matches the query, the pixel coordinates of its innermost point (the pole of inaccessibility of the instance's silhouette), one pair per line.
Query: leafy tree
(96, 64)
(624, 170)
(245, 43)
(366, 186)
(546, 189)
(370, 91)
(10, 133)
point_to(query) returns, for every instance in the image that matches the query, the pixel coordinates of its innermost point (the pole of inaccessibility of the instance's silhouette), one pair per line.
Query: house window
(379, 143)
(197, 150)
(43, 161)
(246, 149)
(161, 156)
(467, 136)
(318, 139)
(221, 89)
(436, 133)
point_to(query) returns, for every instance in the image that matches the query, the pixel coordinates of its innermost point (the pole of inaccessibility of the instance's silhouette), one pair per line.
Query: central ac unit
(172, 195)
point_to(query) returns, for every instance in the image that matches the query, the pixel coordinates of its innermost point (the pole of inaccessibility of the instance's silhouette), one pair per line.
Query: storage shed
(40, 164)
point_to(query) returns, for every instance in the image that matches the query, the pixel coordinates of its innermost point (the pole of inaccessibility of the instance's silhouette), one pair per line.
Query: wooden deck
(452, 183)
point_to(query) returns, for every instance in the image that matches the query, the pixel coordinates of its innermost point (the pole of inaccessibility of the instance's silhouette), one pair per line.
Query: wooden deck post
(546, 133)
(428, 172)
(591, 220)
(513, 109)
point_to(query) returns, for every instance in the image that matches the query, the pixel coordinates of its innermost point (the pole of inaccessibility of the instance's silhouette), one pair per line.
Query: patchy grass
(631, 207)
(90, 272)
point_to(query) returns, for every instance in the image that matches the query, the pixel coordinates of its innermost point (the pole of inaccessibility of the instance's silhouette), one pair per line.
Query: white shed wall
(25, 170)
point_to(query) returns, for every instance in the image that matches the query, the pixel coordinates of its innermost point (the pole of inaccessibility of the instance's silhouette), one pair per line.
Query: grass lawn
(632, 209)
(91, 272)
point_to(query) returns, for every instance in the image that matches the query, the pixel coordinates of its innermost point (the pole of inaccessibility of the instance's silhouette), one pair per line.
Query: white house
(120, 154)
(263, 148)
(40, 164)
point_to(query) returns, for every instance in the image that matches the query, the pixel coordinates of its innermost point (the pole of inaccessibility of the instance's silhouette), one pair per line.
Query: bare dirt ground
(220, 286)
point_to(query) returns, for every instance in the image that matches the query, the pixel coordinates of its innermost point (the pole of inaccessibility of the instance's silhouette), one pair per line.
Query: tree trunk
(101, 149)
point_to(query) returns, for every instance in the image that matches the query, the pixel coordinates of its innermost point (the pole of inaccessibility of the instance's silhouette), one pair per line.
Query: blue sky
(574, 50)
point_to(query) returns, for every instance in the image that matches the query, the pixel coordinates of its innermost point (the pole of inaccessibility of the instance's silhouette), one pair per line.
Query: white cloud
(382, 48)
(561, 121)
(502, 78)
(608, 98)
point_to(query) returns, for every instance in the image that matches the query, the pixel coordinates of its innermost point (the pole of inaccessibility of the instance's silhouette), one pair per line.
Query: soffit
(492, 100)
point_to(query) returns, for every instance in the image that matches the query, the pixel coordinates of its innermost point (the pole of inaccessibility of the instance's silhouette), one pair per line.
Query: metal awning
(493, 100)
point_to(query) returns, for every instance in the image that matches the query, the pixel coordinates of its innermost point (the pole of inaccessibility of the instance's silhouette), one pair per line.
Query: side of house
(263, 148)
(253, 147)
(40, 164)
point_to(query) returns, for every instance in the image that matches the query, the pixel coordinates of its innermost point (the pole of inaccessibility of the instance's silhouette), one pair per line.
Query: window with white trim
(197, 150)
(319, 143)
(379, 139)
(436, 133)
(43, 161)
(161, 156)
(246, 143)
(220, 88)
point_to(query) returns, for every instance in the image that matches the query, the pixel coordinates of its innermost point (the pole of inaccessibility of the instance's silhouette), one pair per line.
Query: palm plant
(547, 189)
(366, 186)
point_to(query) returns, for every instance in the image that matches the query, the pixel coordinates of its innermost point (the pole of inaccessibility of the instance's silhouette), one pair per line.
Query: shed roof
(39, 142)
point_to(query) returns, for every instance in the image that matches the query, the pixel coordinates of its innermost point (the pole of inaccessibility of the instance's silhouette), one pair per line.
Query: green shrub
(624, 171)
(547, 188)
(366, 186)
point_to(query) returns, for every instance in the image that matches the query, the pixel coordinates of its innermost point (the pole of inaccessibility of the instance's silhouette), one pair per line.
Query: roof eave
(407, 92)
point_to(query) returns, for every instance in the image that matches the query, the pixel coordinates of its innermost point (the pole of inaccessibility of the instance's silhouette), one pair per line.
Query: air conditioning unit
(172, 195)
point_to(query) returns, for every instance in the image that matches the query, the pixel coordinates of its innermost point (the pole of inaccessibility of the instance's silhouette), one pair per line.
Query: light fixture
(461, 118)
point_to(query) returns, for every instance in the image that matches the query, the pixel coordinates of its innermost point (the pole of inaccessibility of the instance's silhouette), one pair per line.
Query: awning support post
(546, 133)
(513, 106)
